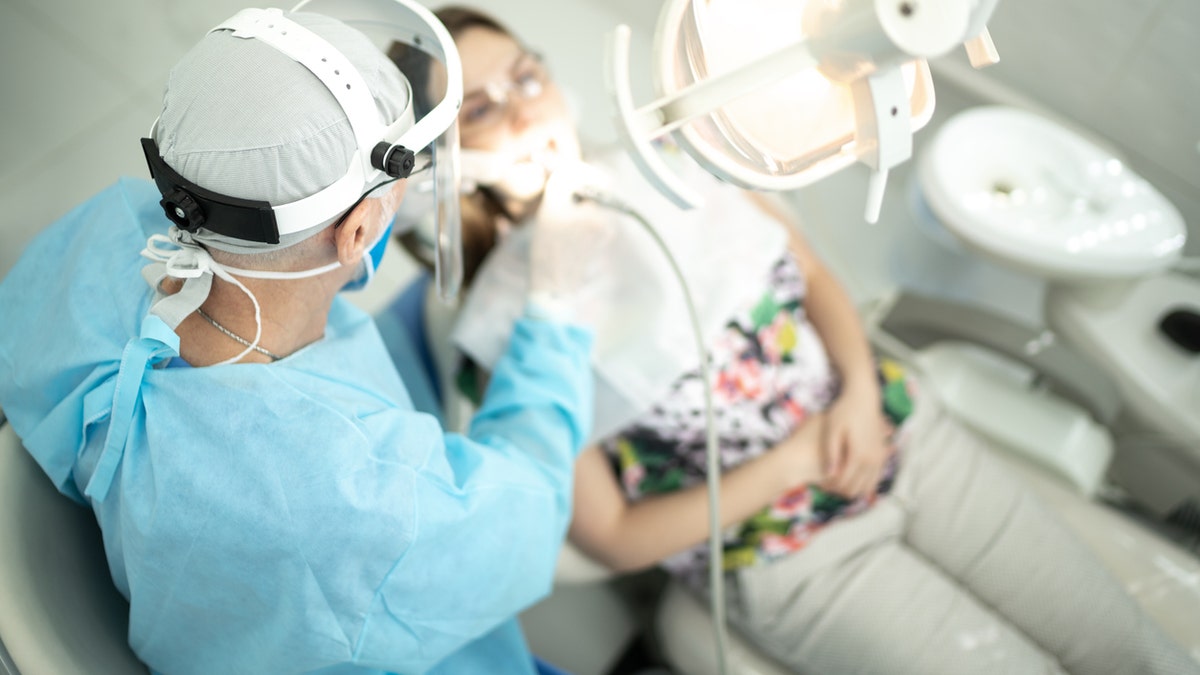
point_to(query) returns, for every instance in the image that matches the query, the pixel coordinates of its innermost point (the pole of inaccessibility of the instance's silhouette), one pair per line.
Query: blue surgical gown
(297, 516)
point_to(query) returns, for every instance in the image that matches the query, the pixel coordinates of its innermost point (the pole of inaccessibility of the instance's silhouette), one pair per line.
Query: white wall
(82, 83)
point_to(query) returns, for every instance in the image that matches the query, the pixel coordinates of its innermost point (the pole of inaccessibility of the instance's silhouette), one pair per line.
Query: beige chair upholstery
(1163, 578)
(59, 611)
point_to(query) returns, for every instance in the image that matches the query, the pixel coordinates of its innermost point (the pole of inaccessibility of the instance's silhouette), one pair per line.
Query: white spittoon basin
(1040, 198)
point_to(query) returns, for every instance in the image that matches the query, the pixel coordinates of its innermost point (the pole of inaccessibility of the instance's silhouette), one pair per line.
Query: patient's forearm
(635, 536)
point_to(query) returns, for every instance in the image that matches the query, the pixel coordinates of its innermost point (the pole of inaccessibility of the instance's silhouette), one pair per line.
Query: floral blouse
(770, 373)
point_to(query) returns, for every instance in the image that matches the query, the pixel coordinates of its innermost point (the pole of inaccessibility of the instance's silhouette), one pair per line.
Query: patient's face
(510, 103)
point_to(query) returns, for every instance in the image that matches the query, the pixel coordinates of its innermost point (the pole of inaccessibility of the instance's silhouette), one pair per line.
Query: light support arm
(883, 130)
(673, 111)
(982, 51)
(636, 131)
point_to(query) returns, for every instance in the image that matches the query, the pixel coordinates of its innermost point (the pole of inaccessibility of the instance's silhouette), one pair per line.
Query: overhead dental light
(778, 94)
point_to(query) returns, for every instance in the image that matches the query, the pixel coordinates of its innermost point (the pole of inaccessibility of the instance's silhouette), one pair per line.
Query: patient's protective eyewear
(487, 107)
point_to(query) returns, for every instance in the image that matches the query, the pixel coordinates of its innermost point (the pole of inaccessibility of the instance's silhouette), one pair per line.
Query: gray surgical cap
(244, 120)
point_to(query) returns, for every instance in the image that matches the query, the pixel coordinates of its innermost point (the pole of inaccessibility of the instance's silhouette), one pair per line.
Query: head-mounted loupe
(383, 150)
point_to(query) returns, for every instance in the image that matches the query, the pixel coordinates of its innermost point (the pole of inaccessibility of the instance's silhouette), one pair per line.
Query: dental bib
(643, 335)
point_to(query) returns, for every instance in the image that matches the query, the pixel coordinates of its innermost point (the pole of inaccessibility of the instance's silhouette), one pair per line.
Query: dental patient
(865, 531)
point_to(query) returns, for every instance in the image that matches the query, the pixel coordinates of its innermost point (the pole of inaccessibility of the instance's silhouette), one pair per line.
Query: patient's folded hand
(855, 444)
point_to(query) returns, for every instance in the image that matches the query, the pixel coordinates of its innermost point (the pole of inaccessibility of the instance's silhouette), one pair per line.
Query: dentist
(269, 499)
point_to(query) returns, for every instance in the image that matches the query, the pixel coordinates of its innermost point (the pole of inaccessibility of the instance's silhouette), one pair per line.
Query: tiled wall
(1128, 70)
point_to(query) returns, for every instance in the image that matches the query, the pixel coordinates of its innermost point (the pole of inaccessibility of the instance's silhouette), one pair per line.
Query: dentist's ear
(351, 237)
(358, 230)
(362, 226)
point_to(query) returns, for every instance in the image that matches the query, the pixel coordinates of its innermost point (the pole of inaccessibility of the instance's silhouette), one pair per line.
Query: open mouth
(527, 176)
(548, 156)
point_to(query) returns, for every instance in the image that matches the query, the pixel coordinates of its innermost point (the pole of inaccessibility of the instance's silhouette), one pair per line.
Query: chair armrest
(919, 321)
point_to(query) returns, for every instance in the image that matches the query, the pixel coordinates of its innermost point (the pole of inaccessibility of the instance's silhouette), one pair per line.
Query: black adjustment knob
(396, 161)
(183, 210)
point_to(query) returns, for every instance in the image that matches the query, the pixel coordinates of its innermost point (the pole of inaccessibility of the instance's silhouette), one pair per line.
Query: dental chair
(1164, 579)
(59, 611)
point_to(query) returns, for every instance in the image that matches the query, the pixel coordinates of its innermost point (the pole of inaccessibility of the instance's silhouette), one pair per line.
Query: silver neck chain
(235, 336)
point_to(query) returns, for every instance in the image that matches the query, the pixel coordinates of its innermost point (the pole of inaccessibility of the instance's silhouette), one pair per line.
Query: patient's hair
(481, 209)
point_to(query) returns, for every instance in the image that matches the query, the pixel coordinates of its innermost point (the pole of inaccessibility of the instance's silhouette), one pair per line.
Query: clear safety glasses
(485, 108)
